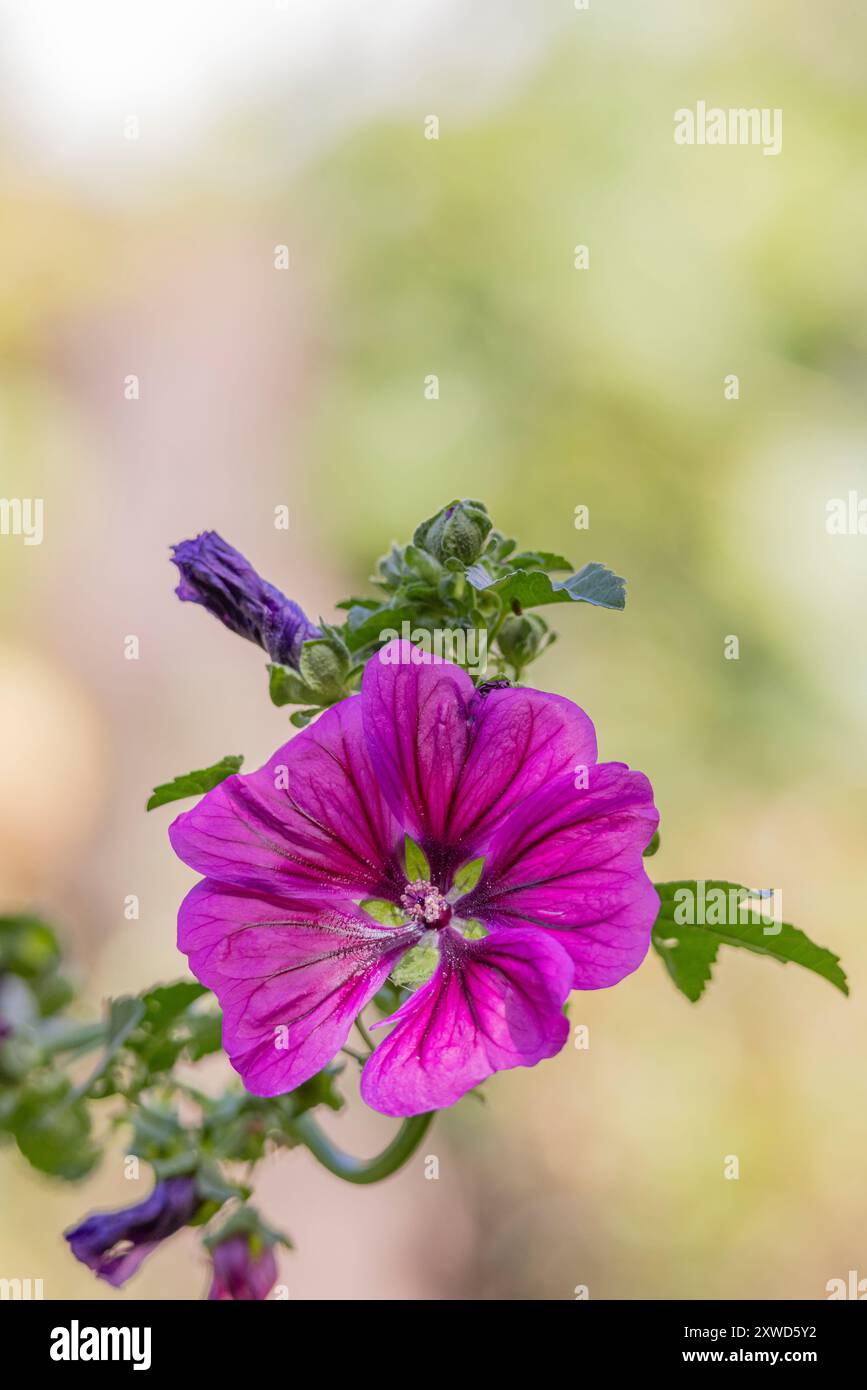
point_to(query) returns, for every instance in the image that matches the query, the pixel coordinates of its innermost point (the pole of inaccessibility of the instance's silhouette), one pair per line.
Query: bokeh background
(302, 124)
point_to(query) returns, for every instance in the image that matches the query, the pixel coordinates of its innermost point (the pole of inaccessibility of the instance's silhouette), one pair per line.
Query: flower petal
(312, 819)
(569, 859)
(115, 1243)
(493, 1004)
(290, 977)
(452, 761)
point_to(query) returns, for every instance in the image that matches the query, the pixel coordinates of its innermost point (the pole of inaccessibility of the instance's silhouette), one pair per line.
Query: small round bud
(520, 639)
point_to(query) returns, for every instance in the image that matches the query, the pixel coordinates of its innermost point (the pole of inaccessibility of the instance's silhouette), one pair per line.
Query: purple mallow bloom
(218, 577)
(241, 1271)
(115, 1243)
(277, 928)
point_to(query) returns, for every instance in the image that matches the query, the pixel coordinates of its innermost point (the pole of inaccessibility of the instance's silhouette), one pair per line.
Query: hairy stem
(363, 1170)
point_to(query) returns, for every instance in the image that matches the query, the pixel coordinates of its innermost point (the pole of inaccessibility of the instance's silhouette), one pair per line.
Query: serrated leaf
(416, 860)
(689, 949)
(195, 783)
(687, 956)
(593, 584)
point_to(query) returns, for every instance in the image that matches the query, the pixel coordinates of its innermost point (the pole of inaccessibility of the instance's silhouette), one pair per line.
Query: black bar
(217, 1339)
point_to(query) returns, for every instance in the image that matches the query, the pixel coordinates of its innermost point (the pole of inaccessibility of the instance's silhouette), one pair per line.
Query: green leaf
(531, 589)
(170, 1028)
(195, 783)
(350, 604)
(51, 1126)
(540, 560)
(368, 630)
(157, 1133)
(469, 874)
(206, 1035)
(164, 1003)
(124, 1015)
(417, 865)
(58, 1142)
(687, 954)
(689, 949)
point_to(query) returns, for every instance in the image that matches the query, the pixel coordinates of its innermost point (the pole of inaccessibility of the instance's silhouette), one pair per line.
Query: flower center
(426, 904)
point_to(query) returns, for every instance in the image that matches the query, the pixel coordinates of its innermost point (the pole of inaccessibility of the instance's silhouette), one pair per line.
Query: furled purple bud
(218, 577)
(114, 1243)
(244, 1268)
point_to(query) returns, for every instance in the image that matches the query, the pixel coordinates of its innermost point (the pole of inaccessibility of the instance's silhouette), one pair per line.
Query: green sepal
(245, 1220)
(382, 910)
(416, 967)
(302, 717)
(324, 665)
(415, 860)
(469, 874)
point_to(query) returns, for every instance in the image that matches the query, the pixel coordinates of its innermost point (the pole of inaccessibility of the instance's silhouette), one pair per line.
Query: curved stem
(363, 1170)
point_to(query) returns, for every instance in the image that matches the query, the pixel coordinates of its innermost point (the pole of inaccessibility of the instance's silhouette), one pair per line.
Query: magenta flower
(115, 1243)
(241, 1271)
(277, 928)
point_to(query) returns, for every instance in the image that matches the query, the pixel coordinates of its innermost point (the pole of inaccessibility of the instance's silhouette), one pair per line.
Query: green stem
(73, 1037)
(363, 1170)
(367, 1039)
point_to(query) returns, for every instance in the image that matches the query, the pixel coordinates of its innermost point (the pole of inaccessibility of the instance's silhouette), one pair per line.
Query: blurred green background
(265, 125)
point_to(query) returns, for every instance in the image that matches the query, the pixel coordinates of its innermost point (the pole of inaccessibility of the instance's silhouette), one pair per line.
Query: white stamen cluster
(424, 903)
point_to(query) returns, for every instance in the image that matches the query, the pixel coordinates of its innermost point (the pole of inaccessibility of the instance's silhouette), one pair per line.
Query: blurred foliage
(560, 387)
